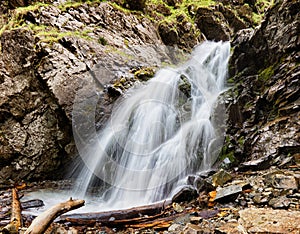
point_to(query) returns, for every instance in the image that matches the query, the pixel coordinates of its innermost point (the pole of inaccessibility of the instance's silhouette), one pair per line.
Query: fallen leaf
(222, 214)
(21, 186)
(178, 208)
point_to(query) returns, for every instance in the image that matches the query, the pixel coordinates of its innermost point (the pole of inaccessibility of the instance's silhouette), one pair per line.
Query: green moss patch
(266, 74)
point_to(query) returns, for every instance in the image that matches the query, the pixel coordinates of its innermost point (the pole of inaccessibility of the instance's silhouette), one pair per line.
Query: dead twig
(40, 224)
(16, 217)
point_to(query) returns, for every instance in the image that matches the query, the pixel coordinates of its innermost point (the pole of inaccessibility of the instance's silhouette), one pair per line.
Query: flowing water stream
(159, 133)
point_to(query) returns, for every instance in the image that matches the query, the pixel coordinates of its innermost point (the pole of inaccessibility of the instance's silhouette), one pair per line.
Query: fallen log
(111, 222)
(16, 217)
(40, 224)
(160, 217)
(117, 217)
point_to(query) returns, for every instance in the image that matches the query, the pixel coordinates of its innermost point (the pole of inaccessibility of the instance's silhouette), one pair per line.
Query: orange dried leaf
(222, 214)
(212, 195)
(21, 186)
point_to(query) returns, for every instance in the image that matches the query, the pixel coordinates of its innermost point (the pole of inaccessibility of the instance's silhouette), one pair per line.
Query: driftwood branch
(40, 224)
(16, 217)
(136, 214)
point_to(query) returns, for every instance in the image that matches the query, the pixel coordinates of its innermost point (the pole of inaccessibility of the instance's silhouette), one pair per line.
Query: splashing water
(160, 133)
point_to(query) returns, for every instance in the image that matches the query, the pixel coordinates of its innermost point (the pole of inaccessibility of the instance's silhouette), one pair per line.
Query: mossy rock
(185, 86)
(266, 74)
(173, 2)
(168, 33)
(144, 74)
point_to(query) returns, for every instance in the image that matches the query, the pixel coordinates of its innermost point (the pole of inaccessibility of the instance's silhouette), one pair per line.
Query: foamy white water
(158, 134)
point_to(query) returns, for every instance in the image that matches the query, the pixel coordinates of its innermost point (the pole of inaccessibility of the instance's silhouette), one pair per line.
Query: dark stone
(144, 73)
(185, 194)
(162, 9)
(207, 173)
(32, 204)
(168, 34)
(203, 185)
(207, 214)
(235, 23)
(258, 164)
(114, 92)
(18, 3)
(180, 32)
(228, 194)
(173, 2)
(137, 5)
(191, 179)
(212, 24)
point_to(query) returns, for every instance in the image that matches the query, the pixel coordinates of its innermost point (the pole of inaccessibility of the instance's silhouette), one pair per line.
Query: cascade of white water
(159, 133)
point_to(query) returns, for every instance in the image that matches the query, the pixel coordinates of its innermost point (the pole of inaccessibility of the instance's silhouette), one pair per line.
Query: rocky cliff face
(49, 50)
(264, 113)
(34, 130)
(46, 62)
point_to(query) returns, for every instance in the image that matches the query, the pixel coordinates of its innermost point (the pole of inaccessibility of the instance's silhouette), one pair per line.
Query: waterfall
(159, 132)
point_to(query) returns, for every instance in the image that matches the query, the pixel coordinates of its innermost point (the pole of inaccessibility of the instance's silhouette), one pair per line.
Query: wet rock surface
(263, 126)
(62, 56)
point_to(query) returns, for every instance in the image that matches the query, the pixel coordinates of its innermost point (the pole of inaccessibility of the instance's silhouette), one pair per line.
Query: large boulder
(212, 24)
(220, 22)
(181, 32)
